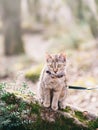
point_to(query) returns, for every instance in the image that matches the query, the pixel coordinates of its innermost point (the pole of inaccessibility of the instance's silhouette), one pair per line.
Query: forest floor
(82, 70)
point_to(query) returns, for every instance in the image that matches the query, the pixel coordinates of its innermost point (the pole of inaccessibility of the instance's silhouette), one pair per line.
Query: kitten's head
(56, 63)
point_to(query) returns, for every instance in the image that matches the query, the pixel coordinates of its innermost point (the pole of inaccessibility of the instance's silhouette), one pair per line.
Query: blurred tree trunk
(76, 7)
(13, 43)
(91, 16)
(86, 10)
(34, 9)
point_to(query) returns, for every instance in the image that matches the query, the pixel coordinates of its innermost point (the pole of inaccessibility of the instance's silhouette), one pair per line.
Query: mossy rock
(32, 116)
(34, 73)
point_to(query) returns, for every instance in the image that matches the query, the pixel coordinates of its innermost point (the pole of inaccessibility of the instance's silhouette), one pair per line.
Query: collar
(54, 76)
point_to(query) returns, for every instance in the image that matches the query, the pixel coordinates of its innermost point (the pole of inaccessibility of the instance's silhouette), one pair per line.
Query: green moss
(61, 123)
(35, 108)
(34, 73)
(80, 116)
(92, 125)
(67, 109)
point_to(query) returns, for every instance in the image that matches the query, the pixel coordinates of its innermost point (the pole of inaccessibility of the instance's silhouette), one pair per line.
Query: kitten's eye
(51, 65)
(59, 65)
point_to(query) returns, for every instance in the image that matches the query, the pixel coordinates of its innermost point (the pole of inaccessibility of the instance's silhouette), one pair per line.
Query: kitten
(52, 86)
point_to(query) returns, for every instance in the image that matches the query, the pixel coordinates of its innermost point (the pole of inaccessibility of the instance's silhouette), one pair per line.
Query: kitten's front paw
(46, 104)
(62, 105)
(41, 101)
(55, 108)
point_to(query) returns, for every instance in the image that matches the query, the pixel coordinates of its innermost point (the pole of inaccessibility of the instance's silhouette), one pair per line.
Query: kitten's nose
(55, 70)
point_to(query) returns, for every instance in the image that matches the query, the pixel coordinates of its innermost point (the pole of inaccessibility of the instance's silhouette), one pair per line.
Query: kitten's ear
(48, 57)
(62, 56)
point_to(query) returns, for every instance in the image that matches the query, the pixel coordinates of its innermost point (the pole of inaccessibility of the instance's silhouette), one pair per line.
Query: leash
(81, 88)
(70, 87)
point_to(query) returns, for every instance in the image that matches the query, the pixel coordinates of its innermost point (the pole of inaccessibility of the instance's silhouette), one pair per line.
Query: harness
(55, 76)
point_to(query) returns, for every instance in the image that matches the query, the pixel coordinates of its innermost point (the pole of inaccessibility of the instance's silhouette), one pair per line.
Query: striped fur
(53, 90)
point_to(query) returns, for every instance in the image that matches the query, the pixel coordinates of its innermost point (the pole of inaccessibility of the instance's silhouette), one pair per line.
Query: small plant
(35, 108)
(34, 73)
(9, 98)
(93, 125)
(67, 109)
(2, 88)
(22, 106)
(23, 87)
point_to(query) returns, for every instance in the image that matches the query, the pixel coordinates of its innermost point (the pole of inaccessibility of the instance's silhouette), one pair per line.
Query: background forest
(31, 28)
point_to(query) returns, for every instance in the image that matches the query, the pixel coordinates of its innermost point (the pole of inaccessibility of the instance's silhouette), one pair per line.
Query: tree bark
(13, 43)
(34, 9)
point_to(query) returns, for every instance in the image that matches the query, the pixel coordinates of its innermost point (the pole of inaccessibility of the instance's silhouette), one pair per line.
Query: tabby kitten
(52, 86)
